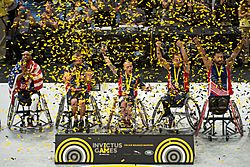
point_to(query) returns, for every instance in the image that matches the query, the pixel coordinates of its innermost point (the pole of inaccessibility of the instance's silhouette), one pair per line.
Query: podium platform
(124, 149)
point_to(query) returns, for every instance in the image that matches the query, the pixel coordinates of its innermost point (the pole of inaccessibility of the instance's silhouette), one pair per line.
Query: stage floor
(37, 149)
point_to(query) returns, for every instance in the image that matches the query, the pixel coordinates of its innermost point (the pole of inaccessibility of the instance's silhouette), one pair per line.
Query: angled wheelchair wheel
(111, 115)
(142, 113)
(192, 112)
(46, 110)
(157, 114)
(10, 115)
(97, 115)
(237, 119)
(60, 112)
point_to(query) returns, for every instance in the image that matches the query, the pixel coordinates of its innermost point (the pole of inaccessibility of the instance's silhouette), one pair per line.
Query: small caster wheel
(210, 138)
(40, 129)
(160, 130)
(100, 124)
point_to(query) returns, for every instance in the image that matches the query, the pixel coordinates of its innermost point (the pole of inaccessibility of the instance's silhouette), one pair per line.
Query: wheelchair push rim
(192, 112)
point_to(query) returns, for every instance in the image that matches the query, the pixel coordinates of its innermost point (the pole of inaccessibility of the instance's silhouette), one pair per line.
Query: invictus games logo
(149, 152)
(106, 148)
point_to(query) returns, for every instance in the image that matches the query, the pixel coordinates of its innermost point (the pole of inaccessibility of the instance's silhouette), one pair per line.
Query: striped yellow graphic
(87, 150)
(175, 143)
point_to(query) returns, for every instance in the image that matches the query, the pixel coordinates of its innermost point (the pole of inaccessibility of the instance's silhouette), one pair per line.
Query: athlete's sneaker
(129, 124)
(75, 125)
(30, 122)
(171, 121)
(81, 124)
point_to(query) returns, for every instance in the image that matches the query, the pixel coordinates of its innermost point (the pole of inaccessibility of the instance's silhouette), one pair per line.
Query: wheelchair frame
(136, 111)
(67, 126)
(182, 115)
(211, 117)
(40, 123)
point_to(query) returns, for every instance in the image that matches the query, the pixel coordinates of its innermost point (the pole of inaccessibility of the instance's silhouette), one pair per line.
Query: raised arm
(180, 44)
(108, 62)
(236, 51)
(66, 76)
(162, 61)
(207, 62)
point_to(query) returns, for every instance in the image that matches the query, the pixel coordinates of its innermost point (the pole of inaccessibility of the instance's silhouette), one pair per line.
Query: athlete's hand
(103, 50)
(196, 40)
(179, 43)
(107, 60)
(158, 44)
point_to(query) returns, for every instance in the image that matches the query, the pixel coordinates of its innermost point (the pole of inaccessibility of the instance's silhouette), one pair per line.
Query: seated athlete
(178, 75)
(128, 84)
(26, 79)
(78, 79)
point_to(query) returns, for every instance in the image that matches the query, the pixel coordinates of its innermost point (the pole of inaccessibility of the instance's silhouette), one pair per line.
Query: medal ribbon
(176, 76)
(128, 82)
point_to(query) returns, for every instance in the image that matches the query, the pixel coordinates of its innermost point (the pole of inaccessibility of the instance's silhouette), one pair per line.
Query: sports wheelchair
(139, 118)
(186, 113)
(220, 108)
(64, 116)
(16, 116)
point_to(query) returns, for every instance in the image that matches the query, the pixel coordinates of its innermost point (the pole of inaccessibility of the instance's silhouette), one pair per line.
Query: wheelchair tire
(11, 114)
(154, 119)
(46, 110)
(237, 118)
(143, 115)
(97, 111)
(193, 123)
(60, 112)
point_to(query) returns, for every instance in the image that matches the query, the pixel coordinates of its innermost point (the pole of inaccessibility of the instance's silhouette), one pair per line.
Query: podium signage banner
(119, 149)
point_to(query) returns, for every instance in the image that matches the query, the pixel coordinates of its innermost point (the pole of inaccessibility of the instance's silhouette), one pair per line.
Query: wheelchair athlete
(128, 84)
(219, 77)
(78, 79)
(25, 82)
(178, 75)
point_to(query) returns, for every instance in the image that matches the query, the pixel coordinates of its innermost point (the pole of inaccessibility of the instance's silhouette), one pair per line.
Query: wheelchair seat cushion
(218, 104)
(24, 97)
(174, 100)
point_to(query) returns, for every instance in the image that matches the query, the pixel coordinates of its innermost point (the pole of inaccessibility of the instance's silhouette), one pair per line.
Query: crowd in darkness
(48, 28)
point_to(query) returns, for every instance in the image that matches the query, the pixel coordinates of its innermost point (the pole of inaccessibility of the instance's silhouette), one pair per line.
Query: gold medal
(220, 83)
(128, 83)
(176, 78)
(176, 85)
(219, 72)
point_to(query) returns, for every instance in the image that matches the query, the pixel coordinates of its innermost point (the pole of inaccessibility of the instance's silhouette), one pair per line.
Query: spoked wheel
(202, 116)
(237, 118)
(60, 112)
(142, 113)
(192, 112)
(112, 114)
(46, 110)
(10, 116)
(97, 114)
(157, 114)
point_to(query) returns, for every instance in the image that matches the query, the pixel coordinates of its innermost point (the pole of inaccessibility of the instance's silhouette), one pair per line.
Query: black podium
(124, 149)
